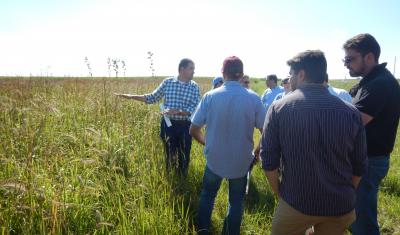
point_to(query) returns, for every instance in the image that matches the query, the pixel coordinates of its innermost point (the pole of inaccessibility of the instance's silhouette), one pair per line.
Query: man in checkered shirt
(181, 96)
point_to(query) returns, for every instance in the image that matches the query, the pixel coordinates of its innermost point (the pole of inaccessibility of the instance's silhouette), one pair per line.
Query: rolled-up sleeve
(200, 113)
(372, 99)
(156, 95)
(270, 147)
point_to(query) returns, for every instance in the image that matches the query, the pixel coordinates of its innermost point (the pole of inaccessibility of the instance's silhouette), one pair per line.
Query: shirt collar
(313, 86)
(177, 80)
(231, 83)
(371, 75)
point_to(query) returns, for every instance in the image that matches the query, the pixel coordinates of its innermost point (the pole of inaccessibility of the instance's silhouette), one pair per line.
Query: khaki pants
(289, 221)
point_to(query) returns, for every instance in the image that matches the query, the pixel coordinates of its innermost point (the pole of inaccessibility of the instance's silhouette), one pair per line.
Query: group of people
(219, 81)
(323, 156)
(275, 92)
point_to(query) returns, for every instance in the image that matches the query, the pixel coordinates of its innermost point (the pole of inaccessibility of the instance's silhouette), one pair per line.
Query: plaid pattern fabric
(177, 95)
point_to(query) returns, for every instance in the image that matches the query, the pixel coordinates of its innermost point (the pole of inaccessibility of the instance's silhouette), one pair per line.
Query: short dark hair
(313, 63)
(364, 43)
(184, 63)
(232, 67)
(327, 78)
(272, 77)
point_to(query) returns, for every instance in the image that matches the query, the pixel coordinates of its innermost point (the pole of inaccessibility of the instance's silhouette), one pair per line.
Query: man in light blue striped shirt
(181, 96)
(230, 114)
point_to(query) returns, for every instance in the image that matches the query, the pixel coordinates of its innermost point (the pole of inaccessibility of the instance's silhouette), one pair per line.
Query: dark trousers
(367, 196)
(211, 185)
(177, 143)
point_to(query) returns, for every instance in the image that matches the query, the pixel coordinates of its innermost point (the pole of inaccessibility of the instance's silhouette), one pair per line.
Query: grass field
(74, 159)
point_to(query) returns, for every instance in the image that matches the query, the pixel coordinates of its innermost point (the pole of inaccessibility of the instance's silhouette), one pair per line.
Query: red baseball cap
(232, 64)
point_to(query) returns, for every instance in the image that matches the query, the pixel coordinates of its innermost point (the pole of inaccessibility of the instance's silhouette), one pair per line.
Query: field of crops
(74, 159)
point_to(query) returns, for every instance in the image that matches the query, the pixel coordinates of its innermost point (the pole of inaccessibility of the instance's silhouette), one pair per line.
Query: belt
(180, 122)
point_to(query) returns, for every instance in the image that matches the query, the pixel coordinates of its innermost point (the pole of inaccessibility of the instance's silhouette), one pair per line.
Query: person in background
(377, 97)
(342, 94)
(217, 82)
(272, 91)
(286, 89)
(245, 81)
(181, 95)
(320, 143)
(230, 114)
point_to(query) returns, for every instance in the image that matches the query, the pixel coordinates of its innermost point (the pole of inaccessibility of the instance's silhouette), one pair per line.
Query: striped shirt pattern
(321, 142)
(177, 95)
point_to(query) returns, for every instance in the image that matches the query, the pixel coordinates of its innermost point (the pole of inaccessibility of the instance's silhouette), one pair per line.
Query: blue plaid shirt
(177, 95)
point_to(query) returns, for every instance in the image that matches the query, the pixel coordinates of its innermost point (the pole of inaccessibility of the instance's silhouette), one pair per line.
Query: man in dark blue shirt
(319, 142)
(377, 97)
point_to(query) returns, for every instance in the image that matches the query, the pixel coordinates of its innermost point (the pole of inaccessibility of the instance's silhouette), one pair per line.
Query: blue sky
(54, 37)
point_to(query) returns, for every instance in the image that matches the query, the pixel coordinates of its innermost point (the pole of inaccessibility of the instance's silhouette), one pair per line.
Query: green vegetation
(74, 159)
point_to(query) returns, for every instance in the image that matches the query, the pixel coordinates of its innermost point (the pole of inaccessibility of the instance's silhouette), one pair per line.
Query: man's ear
(370, 58)
(223, 74)
(301, 75)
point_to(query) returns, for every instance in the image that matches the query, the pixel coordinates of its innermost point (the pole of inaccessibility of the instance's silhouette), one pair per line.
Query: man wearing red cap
(230, 113)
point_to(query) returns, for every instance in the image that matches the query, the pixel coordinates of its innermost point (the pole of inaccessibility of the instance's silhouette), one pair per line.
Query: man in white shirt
(342, 94)
(286, 89)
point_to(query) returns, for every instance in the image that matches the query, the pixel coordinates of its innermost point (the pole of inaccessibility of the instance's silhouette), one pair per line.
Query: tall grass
(74, 159)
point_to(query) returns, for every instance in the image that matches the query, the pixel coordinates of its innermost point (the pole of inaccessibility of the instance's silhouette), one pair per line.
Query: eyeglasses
(246, 82)
(348, 60)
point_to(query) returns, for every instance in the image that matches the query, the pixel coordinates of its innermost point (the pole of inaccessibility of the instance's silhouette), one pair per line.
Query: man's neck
(369, 69)
(182, 79)
(231, 79)
(310, 84)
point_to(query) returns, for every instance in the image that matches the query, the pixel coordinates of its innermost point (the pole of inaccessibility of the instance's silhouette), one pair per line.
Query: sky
(53, 37)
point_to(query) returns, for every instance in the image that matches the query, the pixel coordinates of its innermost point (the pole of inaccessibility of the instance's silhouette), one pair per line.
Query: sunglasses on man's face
(349, 59)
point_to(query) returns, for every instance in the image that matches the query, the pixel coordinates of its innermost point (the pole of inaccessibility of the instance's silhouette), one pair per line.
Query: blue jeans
(211, 185)
(177, 143)
(367, 196)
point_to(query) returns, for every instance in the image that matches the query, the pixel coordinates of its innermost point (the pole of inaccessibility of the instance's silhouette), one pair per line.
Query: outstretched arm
(133, 97)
